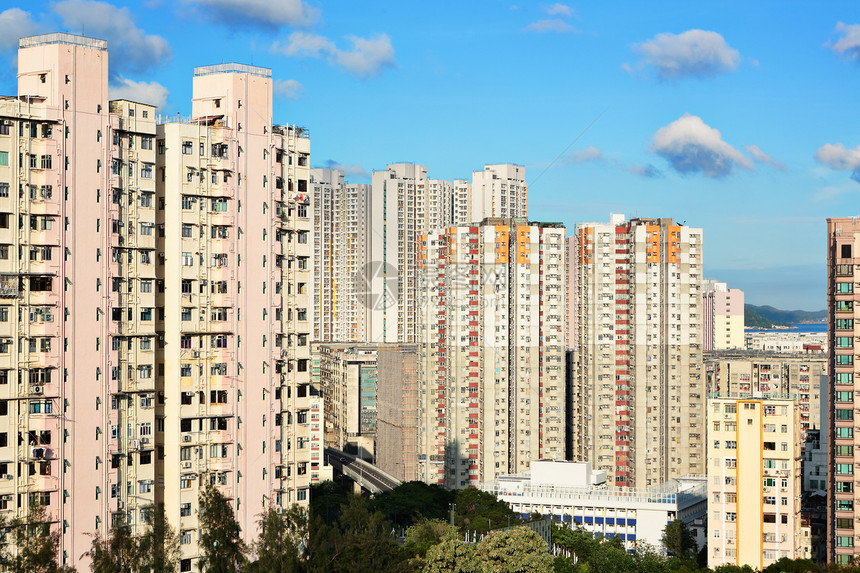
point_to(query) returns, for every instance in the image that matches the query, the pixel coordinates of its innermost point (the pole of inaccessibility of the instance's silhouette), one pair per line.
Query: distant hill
(754, 320)
(781, 317)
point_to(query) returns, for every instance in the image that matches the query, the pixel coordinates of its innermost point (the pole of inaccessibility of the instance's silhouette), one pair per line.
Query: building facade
(341, 238)
(745, 374)
(723, 322)
(241, 413)
(843, 441)
(574, 495)
(754, 483)
(492, 371)
(638, 311)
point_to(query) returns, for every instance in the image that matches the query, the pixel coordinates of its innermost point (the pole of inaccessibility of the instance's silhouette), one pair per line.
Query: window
(845, 469)
(187, 230)
(844, 414)
(845, 433)
(187, 259)
(845, 251)
(187, 147)
(146, 141)
(844, 359)
(146, 171)
(186, 313)
(4, 158)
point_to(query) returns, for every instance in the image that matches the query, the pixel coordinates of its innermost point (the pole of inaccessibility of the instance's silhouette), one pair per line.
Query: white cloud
(590, 153)
(836, 156)
(354, 170)
(763, 157)
(262, 12)
(694, 53)
(130, 47)
(550, 25)
(152, 93)
(290, 89)
(14, 24)
(692, 146)
(365, 58)
(648, 171)
(559, 9)
(849, 44)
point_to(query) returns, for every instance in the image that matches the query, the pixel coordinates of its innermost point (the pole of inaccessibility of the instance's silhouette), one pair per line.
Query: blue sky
(731, 116)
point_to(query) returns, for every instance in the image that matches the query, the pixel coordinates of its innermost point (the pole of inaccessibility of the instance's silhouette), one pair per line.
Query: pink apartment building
(154, 300)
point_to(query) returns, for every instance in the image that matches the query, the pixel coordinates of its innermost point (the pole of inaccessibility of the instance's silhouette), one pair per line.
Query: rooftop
(62, 38)
(232, 68)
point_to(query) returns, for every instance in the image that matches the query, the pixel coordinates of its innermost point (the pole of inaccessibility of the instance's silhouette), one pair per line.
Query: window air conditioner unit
(186, 465)
(8, 476)
(144, 440)
(135, 444)
(120, 504)
(37, 390)
(186, 438)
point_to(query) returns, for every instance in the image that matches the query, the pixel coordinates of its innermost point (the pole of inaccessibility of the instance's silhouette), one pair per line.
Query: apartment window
(845, 433)
(844, 414)
(845, 469)
(186, 313)
(146, 141)
(4, 158)
(187, 230)
(187, 259)
(187, 147)
(218, 396)
(146, 171)
(219, 341)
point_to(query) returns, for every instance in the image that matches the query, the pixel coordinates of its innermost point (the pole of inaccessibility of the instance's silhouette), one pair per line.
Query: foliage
(31, 544)
(327, 501)
(519, 550)
(222, 548)
(678, 539)
(452, 556)
(281, 543)
(480, 511)
(119, 551)
(409, 502)
(159, 546)
(425, 534)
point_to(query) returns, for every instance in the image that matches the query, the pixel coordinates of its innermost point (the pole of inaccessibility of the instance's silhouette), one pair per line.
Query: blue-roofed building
(574, 494)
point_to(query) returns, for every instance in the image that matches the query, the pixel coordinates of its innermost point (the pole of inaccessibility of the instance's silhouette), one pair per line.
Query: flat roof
(62, 38)
(233, 68)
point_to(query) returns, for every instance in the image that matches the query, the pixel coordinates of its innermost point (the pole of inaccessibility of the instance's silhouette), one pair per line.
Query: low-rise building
(576, 495)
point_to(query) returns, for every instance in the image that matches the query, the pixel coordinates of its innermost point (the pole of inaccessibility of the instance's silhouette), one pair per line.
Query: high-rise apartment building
(638, 307)
(745, 374)
(79, 410)
(235, 230)
(843, 440)
(754, 483)
(405, 204)
(723, 322)
(155, 285)
(341, 238)
(492, 328)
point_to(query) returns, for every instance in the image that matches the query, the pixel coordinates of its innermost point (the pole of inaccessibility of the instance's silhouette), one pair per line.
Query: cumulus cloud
(152, 93)
(14, 23)
(848, 44)
(694, 53)
(763, 157)
(648, 171)
(692, 146)
(131, 49)
(836, 156)
(354, 170)
(290, 89)
(366, 57)
(550, 25)
(559, 9)
(273, 13)
(590, 153)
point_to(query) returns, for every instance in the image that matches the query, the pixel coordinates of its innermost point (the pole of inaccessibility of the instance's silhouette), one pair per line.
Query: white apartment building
(754, 483)
(492, 373)
(341, 238)
(638, 306)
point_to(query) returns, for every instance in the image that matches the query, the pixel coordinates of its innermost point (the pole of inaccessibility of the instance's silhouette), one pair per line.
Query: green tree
(425, 534)
(282, 541)
(480, 511)
(32, 544)
(452, 556)
(413, 501)
(786, 565)
(517, 550)
(159, 545)
(368, 544)
(223, 550)
(678, 539)
(118, 552)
